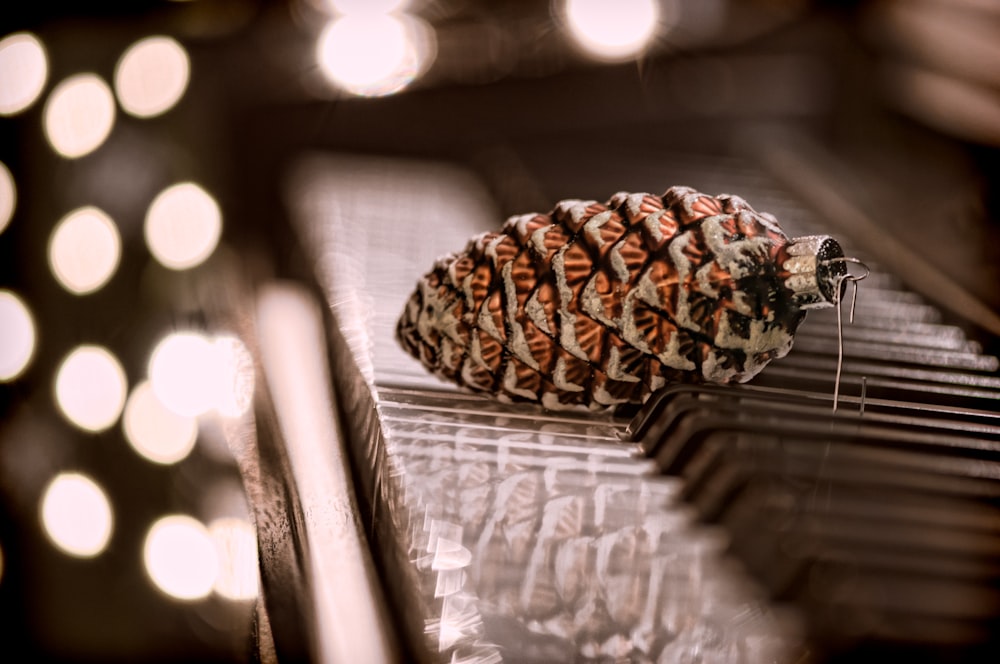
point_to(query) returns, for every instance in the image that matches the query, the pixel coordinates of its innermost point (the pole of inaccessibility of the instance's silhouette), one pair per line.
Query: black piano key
(923, 387)
(691, 420)
(650, 422)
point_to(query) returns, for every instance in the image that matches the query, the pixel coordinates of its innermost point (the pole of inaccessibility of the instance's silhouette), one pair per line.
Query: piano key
(651, 424)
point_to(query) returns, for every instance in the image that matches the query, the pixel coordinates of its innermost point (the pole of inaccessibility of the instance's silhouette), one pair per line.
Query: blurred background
(144, 147)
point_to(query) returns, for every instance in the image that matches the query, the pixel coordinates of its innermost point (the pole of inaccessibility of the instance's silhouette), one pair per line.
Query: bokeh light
(76, 515)
(236, 548)
(24, 68)
(180, 370)
(154, 431)
(84, 250)
(180, 557)
(91, 388)
(151, 76)
(183, 226)
(192, 374)
(17, 336)
(367, 6)
(8, 196)
(234, 376)
(613, 30)
(79, 115)
(371, 54)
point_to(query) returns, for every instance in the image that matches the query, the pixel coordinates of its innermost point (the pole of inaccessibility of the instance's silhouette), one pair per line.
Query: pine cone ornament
(600, 304)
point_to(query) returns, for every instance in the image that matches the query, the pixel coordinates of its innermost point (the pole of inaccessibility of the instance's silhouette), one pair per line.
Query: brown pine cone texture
(600, 304)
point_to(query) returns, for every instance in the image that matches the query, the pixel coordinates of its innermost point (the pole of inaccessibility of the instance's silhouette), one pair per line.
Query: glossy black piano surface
(400, 519)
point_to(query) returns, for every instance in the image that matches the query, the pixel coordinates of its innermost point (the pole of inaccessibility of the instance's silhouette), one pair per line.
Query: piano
(736, 524)
(401, 519)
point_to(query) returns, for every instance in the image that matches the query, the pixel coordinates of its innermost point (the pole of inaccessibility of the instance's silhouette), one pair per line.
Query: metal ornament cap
(815, 268)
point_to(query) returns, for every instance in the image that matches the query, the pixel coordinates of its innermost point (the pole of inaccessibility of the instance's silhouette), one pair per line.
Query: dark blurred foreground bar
(323, 600)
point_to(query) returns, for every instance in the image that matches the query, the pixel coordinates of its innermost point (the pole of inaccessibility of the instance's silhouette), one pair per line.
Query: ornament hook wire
(852, 279)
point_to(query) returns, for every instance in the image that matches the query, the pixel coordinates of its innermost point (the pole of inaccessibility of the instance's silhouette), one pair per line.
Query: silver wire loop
(853, 279)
